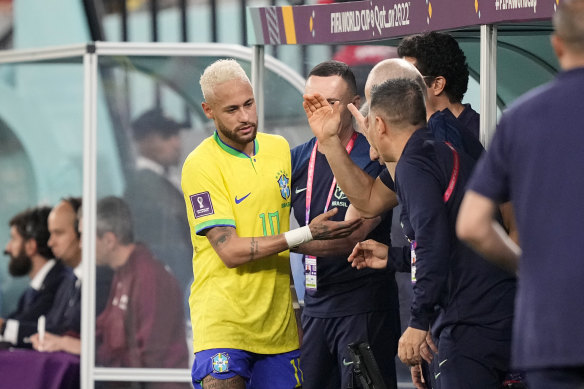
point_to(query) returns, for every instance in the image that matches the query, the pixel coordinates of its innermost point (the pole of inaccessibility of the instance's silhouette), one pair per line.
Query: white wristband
(297, 236)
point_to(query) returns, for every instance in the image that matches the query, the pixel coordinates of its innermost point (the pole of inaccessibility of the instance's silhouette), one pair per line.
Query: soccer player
(236, 185)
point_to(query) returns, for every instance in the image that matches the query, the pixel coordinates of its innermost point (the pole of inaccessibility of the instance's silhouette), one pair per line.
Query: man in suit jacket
(63, 324)
(30, 255)
(154, 196)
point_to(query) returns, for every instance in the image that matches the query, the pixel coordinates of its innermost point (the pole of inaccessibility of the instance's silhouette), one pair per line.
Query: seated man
(30, 255)
(142, 324)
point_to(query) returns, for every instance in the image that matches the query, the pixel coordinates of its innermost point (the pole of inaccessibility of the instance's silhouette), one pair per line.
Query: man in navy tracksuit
(342, 305)
(467, 304)
(539, 140)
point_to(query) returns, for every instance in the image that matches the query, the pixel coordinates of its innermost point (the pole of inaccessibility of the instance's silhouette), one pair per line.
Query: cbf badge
(220, 363)
(284, 184)
(310, 272)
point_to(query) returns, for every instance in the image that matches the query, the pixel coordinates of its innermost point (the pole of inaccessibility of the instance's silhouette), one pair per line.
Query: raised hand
(369, 253)
(322, 228)
(324, 119)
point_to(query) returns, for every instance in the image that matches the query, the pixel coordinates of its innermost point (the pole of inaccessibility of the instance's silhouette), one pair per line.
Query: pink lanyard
(454, 175)
(310, 177)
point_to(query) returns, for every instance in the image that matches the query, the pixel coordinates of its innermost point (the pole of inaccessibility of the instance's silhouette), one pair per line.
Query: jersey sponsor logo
(300, 190)
(284, 183)
(220, 362)
(237, 201)
(202, 205)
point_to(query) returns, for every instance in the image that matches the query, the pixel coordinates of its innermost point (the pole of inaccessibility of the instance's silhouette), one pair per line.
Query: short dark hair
(32, 224)
(154, 121)
(113, 215)
(336, 68)
(438, 54)
(75, 203)
(401, 101)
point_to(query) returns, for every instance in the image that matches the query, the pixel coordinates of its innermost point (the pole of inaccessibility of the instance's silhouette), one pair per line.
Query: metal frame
(488, 82)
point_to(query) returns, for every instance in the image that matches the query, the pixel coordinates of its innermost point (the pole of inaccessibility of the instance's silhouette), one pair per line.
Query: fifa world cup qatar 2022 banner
(362, 21)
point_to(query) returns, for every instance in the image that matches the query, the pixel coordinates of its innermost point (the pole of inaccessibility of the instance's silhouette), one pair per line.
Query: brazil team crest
(220, 363)
(284, 183)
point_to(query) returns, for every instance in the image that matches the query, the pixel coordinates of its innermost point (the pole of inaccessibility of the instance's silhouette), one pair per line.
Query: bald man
(63, 323)
(467, 305)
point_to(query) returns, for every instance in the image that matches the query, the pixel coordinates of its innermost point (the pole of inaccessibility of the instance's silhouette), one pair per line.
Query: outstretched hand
(324, 119)
(369, 253)
(322, 228)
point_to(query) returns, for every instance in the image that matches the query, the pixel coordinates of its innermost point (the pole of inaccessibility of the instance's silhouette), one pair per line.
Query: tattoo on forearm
(224, 233)
(254, 248)
(320, 232)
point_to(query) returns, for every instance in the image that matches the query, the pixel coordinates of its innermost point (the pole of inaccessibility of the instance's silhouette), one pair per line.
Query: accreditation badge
(310, 272)
(413, 260)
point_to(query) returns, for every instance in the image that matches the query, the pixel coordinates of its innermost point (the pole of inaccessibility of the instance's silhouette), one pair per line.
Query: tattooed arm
(235, 250)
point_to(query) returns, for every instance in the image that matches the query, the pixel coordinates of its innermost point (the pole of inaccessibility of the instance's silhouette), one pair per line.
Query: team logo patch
(220, 363)
(339, 194)
(284, 183)
(202, 205)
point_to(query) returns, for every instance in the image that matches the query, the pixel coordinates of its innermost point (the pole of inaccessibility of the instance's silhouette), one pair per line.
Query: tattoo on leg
(236, 382)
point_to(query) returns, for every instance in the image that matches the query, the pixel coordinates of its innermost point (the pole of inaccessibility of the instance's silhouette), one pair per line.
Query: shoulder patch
(202, 205)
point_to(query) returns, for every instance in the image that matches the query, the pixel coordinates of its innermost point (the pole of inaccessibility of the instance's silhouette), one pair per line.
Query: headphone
(75, 203)
(35, 227)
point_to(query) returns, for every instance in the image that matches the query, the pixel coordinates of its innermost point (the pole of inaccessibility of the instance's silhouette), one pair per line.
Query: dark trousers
(556, 378)
(325, 360)
(471, 357)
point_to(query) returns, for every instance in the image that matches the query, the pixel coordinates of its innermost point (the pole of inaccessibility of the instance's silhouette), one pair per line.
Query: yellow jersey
(248, 307)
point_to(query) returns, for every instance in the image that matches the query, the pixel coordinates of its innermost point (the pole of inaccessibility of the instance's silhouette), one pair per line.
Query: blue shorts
(260, 371)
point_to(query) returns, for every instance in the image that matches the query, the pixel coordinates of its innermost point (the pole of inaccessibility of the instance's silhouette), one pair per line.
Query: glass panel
(41, 122)
(142, 232)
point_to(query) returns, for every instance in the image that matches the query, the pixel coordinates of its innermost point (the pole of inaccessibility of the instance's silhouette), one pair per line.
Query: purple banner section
(363, 21)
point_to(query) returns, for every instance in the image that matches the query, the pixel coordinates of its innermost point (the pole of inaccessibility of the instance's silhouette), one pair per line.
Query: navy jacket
(453, 284)
(342, 290)
(41, 303)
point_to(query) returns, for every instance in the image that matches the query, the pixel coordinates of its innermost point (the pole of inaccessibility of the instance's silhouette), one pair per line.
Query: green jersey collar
(234, 151)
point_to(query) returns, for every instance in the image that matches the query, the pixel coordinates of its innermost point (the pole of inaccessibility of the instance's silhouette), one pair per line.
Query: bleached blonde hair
(218, 72)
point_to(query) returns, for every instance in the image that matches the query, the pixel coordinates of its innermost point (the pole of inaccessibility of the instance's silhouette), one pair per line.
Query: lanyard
(454, 175)
(310, 177)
